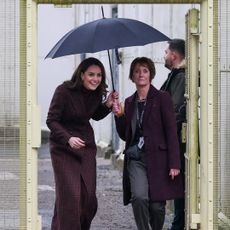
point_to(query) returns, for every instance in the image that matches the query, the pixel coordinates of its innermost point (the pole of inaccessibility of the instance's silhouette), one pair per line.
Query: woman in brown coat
(152, 161)
(72, 144)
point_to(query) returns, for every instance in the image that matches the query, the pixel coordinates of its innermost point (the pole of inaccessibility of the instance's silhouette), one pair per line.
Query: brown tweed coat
(74, 170)
(161, 145)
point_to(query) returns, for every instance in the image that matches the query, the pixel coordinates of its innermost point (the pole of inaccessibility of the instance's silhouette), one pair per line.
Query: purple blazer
(161, 145)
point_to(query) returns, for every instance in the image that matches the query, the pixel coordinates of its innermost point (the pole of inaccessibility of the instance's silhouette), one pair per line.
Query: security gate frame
(30, 111)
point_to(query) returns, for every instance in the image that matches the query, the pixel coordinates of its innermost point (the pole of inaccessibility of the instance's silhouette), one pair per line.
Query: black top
(140, 114)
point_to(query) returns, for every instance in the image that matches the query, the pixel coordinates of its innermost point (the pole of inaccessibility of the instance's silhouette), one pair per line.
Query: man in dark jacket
(175, 86)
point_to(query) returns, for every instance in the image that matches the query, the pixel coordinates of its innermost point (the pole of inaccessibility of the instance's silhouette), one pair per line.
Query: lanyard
(140, 117)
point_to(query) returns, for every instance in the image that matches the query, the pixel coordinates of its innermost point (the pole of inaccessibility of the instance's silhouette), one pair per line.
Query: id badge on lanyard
(141, 142)
(140, 120)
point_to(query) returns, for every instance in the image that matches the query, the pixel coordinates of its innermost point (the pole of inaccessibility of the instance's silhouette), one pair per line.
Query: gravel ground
(111, 214)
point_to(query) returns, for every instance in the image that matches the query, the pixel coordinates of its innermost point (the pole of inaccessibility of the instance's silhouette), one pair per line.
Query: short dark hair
(177, 45)
(143, 61)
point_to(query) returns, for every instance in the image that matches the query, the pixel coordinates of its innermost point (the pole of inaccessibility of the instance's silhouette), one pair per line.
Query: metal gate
(20, 119)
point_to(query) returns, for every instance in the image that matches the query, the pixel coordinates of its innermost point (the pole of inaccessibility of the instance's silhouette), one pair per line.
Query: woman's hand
(174, 172)
(113, 96)
(118, 109)
(76, 142)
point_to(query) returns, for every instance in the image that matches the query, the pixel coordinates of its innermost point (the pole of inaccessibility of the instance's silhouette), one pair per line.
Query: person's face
(92, 77)
(141, 75)
(169, 58)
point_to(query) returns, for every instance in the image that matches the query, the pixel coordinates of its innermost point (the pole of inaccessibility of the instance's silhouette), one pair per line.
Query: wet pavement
(111, 214)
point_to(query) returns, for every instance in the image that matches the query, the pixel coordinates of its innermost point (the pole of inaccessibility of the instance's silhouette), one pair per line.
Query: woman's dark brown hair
(144, 61)
(76, 80)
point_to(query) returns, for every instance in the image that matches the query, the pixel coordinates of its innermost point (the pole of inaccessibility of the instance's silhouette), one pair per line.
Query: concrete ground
(111, 214)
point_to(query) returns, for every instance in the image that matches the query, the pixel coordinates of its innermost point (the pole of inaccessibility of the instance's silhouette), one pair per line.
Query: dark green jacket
(175, 86)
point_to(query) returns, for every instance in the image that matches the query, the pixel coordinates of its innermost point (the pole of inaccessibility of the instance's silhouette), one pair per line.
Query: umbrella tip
(102, 11)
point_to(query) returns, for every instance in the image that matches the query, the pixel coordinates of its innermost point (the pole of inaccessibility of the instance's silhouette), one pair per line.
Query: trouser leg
(141, 213)
(139, 191)
(157, 215)
(179, 218)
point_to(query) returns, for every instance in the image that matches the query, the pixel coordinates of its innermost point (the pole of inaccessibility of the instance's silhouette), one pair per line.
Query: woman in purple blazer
(152, 161)
(72, 144)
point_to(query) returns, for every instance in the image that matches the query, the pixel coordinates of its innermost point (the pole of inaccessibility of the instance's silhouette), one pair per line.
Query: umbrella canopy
(105, 34)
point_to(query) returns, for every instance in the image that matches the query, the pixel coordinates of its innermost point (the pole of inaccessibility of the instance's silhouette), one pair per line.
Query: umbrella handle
(111, 71)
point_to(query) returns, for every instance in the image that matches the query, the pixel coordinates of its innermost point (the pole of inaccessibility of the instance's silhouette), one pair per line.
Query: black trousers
(179, 204)
(179, 209)
(179, 215)
(148, 215)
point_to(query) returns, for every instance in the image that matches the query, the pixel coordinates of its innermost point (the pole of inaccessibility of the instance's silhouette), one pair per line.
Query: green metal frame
(209, 109)
(116, 1)
(30, 111)
(22, 144)
(192, 93)
(30, 131)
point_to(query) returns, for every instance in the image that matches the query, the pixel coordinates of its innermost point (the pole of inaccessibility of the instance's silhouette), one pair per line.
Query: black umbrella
(105, 34)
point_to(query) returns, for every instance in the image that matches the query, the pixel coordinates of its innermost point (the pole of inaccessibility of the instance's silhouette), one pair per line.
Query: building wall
(169, 19)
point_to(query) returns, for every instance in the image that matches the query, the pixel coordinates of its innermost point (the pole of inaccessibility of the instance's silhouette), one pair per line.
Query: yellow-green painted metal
(204, 117)
(22, 145)
(215, 111)
(29, 110)
(116, 1)
(208, 129)
(192, 92)
(30, 130)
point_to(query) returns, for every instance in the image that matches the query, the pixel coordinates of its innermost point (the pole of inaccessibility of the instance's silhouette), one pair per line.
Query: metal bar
(224, 219)
(193, 217)
(33, 118)
(204, 117)
(213, 45)
(22, 138)
(115, 1)
(209, 118)
(29, 130)
(224, 71)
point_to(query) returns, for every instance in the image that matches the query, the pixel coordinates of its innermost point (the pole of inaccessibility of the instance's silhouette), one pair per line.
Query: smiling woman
(72, 144)
(92, 77)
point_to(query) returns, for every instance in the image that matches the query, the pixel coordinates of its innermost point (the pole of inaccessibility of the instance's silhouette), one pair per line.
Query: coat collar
(152, 98)
(151, 94)
(173, 74)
